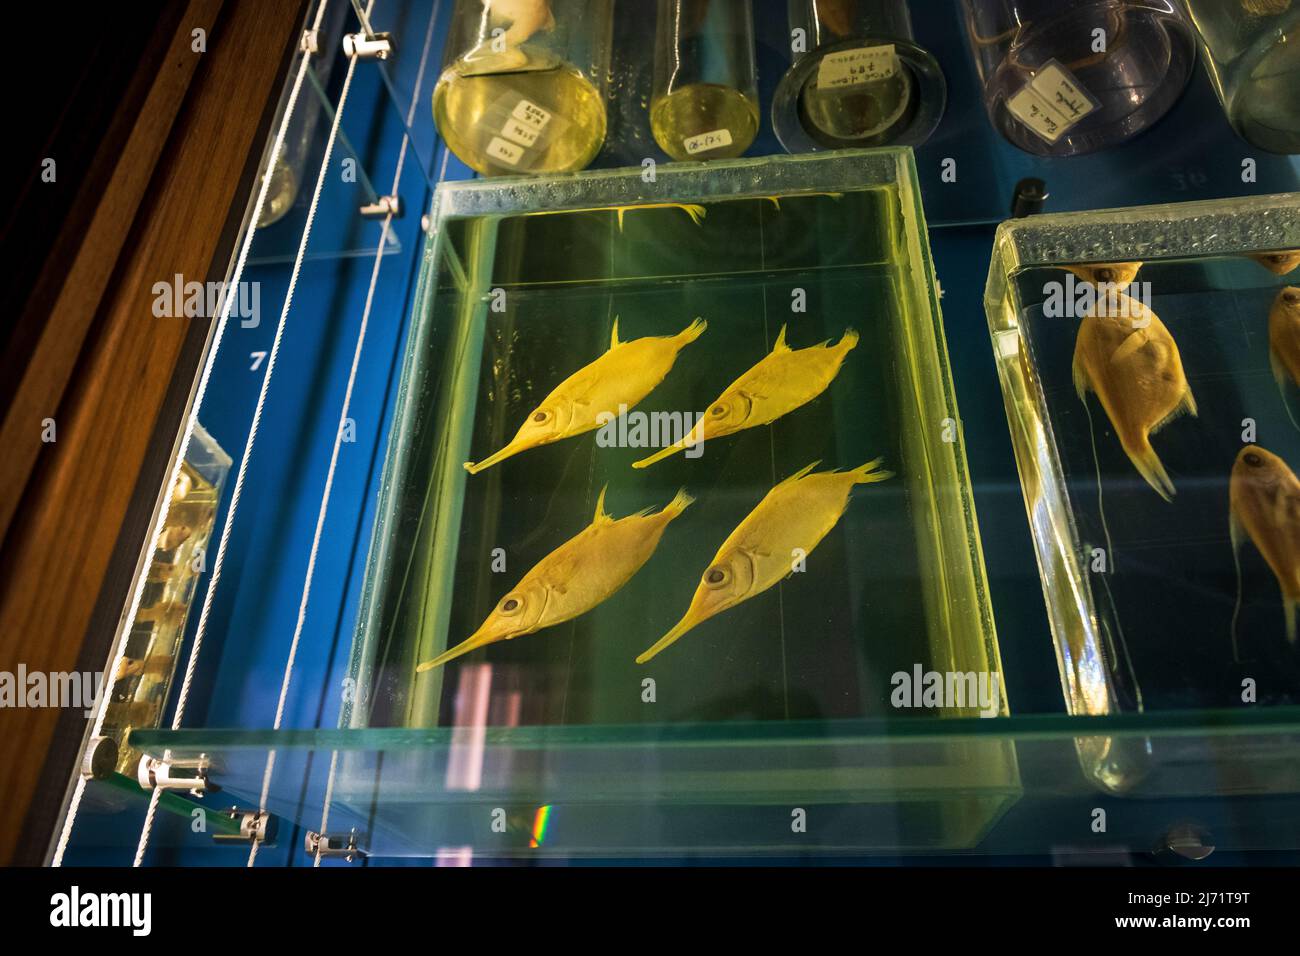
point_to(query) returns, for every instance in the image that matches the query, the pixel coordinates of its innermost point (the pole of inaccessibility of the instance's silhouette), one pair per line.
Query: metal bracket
(383, 206)
(255, 826)
(377, 47)
(163, 775)
(333, 845)
(99, 759)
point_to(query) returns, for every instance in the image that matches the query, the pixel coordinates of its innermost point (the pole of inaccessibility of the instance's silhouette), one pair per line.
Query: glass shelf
(348, 188)
(991, 786)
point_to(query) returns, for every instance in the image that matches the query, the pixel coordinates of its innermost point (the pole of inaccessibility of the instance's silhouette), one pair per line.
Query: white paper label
(508, 153)
(852, 67)
(517, 131)
(1051, 103)
(528, 112)
(703, 142)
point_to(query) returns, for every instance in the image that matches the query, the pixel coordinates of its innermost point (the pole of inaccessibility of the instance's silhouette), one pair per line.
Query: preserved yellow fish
(1284, 336)
(525, 17)
(1117, 274)
(1278, 263)
(581, 573)
(1126, 355)
(1264, 502)
(780, 532)
(1266, 8)
(782, 380)
(615, 382)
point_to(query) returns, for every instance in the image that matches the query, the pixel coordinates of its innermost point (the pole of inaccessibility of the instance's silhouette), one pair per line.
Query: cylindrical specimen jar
(523, 84)
(858, 78)
(290, 169)
(1063, 78)
(705, 102)
(1252, 52)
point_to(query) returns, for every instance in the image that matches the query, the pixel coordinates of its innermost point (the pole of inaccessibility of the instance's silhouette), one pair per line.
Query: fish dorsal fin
(613, 336)
(780, 342)
(601, 516)
(799, 474)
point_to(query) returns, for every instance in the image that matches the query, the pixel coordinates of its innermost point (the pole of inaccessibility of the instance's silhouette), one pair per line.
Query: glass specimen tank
(814, 258)
(1145, 363)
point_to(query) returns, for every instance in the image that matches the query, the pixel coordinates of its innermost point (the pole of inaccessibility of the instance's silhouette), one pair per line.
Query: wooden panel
(41, 384)
(64, 531)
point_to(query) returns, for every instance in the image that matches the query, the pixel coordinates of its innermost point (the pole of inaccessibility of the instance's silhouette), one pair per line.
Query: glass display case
(901, 667)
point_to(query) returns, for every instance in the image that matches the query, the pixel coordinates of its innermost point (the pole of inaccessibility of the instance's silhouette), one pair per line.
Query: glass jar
(523, 84)
(1067, 78)
(1252, 53)
(705, 103)
(858, 78)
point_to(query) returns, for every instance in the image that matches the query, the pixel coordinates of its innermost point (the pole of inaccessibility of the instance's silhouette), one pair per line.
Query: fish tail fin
(806, 469)
(1280, 376)
(848, 340)
(681, 501)
(601, 516)
(471, 643)
(1149, 466)
(1279, 373)
(680, 628)
(1235, 533)
(870, 472)
(1080, 376)
(692, 332)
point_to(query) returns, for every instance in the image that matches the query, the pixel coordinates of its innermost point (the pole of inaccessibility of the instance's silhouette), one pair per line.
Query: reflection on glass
(139, 689)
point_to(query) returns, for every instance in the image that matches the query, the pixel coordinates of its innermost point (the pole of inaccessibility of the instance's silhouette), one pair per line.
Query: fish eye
(510, 605)
(1276, 257)
(1252, 459)
(717, 576)
(1106, 275)
(717, 411)
(1291, 295)
(541, 415)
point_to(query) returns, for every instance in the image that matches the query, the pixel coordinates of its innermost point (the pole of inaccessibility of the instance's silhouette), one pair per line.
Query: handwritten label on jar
(853, 67)
(1051, 102)
(703, 142)
(528, 112)
(506, 152)
(517, 131)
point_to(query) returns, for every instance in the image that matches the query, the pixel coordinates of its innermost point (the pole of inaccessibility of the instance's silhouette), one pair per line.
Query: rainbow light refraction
(541, 820)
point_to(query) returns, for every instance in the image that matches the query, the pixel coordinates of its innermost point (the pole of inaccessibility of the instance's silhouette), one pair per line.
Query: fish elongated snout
(480, 638)
(693, 440)
(681, 627)
(496, 458)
